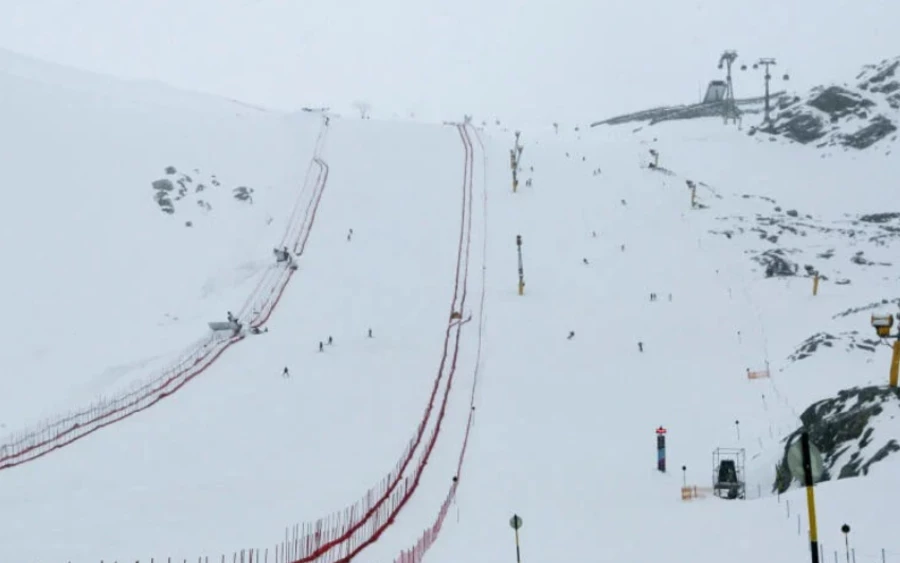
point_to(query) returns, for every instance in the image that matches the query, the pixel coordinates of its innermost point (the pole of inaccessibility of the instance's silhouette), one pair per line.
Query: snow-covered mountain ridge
(853, 116)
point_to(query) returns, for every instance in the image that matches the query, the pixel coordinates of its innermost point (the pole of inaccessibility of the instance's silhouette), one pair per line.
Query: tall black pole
(846, 529)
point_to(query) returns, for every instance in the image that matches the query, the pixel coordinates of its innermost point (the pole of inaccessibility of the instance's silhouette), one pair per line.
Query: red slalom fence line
(60, 430)
(292, 222)
(417, 552)
(411, 483)
(119, 411)
(53, 435)
(274, 297)
(59, 425)
(300, 245)
(256, 304)
(338, 538)
(271, 285)
(341, 536)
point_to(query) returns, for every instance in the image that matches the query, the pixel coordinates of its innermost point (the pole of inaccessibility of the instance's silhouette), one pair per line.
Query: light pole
(515, 523)
(846, 529)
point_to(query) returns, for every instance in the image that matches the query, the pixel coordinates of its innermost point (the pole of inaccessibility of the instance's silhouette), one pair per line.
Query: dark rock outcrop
(843, 429)
(853, 116)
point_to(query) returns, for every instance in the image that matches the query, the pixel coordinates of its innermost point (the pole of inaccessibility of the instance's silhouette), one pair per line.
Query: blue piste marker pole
(661, 449)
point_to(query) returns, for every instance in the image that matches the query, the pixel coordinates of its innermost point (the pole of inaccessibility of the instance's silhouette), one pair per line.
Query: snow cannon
(883, 324)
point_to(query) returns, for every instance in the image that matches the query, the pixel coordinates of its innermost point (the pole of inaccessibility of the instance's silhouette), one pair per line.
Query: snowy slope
(762, 203)
(99, 269)
(563, 429)
(362, 399)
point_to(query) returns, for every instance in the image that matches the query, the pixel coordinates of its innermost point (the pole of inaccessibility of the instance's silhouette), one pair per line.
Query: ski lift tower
(766, 63)
(728, 473)
(729, 107)
(767, 77)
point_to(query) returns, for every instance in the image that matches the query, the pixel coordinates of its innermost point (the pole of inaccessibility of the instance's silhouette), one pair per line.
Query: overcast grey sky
(532, 60)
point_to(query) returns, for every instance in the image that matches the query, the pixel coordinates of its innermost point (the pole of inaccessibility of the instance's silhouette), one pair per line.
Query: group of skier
(322, 345)
(653, 296)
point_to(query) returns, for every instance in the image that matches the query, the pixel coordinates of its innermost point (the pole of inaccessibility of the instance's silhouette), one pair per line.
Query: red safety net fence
(343, 535)
(416, 553)
(48, 436)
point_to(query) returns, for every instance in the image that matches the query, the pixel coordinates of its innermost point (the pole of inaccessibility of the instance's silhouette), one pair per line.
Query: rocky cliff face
(854, 116)
(845, 429)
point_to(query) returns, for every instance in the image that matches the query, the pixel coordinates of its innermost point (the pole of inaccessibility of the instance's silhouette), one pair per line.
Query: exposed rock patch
(845, 430)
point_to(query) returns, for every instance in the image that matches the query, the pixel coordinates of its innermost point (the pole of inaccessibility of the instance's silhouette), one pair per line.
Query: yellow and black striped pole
(810, 497)
(516, 523)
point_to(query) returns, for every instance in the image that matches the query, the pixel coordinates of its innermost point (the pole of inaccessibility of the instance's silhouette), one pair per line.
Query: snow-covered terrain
(856, 116)
(402, 400)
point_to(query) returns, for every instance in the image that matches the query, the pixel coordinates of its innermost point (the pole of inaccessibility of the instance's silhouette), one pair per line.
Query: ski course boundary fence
(267, 299)
(296, 234)
(416, 553)
(32, 444)
(343, 535)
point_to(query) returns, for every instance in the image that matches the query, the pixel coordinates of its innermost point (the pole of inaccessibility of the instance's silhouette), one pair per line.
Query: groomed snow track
(34, 443)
